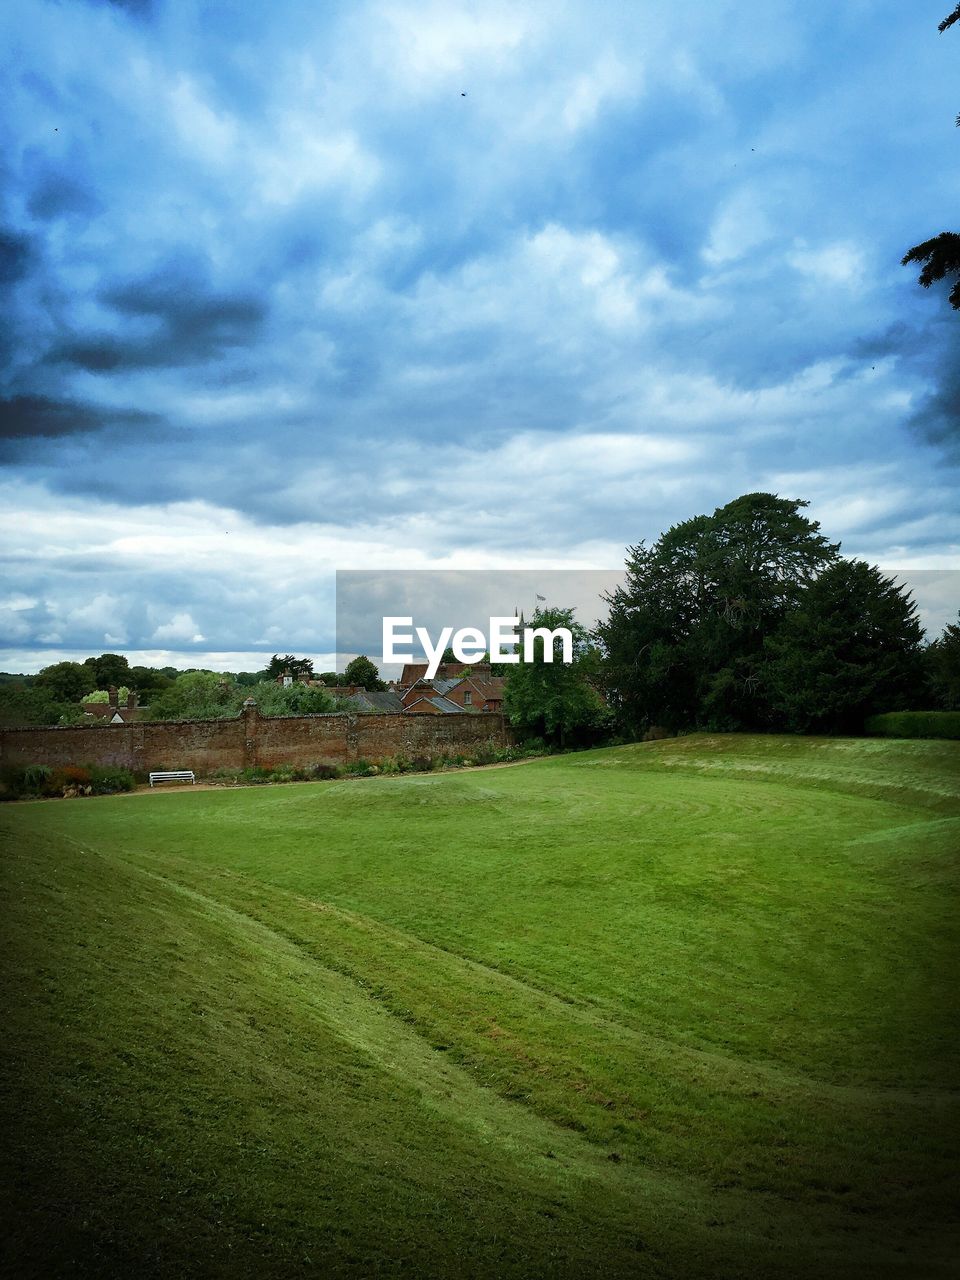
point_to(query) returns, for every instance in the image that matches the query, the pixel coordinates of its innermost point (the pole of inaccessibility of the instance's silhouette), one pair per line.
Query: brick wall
(251, 739)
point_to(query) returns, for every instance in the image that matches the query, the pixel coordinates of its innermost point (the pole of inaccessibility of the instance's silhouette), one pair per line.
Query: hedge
(915, 724)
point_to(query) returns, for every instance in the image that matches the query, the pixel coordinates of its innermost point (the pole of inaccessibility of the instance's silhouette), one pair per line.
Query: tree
(196, 695)
(299, 668)
(683, 640)
(22, 705)
(210, 695)
(297, 699)
(941, 258)
(851, 649)
(555, 700)
(940, 255)
(109, 669)
(363, 672)
(66, 681)
(942, 662)
(149, 681)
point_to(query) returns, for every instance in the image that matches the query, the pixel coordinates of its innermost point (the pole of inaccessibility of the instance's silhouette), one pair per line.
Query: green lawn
(683, 1009)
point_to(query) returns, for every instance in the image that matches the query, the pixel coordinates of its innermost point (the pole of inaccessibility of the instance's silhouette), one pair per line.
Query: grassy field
(683, 1009)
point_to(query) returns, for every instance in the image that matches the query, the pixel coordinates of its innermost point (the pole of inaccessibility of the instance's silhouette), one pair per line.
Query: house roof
(445, 705)
(489, 688)
(414, 671)
(444, 686)
(434, 706)
(380, 700)
(369, 700)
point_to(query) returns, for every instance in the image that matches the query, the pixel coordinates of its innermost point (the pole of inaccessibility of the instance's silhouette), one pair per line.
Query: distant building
(111, 712)
(478, 693)
(457, 687)
(414, 671)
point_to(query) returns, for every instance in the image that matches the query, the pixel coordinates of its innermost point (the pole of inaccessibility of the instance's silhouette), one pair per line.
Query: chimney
(112, 691)
(131, 700)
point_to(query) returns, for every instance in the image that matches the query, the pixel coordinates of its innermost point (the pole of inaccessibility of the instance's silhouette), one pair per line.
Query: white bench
(173, 775)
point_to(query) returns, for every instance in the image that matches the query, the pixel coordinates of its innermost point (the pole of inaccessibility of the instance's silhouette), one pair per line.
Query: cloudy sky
(293, 287)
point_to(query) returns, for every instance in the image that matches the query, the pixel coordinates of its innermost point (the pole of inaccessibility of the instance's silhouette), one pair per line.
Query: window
(467, 698)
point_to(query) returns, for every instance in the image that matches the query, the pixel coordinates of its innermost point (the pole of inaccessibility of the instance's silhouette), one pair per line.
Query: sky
(300, 287)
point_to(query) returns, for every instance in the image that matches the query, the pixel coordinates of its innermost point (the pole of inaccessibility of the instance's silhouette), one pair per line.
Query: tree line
(55, 694)
(748, 619)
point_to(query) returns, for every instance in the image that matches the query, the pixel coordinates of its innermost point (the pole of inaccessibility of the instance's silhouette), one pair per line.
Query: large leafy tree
(296, 699)
(110, 669)
(36, 704)
(851, 649)
(200, 695)
(363, 672)
(939, 257)
(67, 681)
(151, 681)
(555, 700)
(684, 636)
(211, 695)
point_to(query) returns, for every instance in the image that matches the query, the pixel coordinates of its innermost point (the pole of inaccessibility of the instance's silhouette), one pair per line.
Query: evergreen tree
(685, 633)
(288, 664)
(942, 662)
(939, 256)
(851, 649)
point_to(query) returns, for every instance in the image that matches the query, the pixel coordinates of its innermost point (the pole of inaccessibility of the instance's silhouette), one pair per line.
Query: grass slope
(680, 1009)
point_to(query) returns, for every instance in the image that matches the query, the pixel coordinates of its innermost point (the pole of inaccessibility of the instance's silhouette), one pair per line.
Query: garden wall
(251, 739)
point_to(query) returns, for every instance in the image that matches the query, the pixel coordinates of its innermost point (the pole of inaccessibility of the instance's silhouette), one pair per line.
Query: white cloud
(741, 225)
(180, 627)
(841, 263)
(213, 134)
(435, 42)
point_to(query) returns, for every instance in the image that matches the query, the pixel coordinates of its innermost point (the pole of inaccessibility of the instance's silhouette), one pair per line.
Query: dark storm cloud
(28, 417)
(57, 196)
(937, 419)
(188, 324)
(930, 350)
(16, 253)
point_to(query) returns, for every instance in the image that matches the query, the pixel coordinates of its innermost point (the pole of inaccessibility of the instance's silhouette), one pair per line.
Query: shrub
(23, 781)
(74, 776)
(915, 724)
(360, 769)
(36, 780)
(108, 779)
(224, 775)
(256, 775)
(35, 777)
(12, 783)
